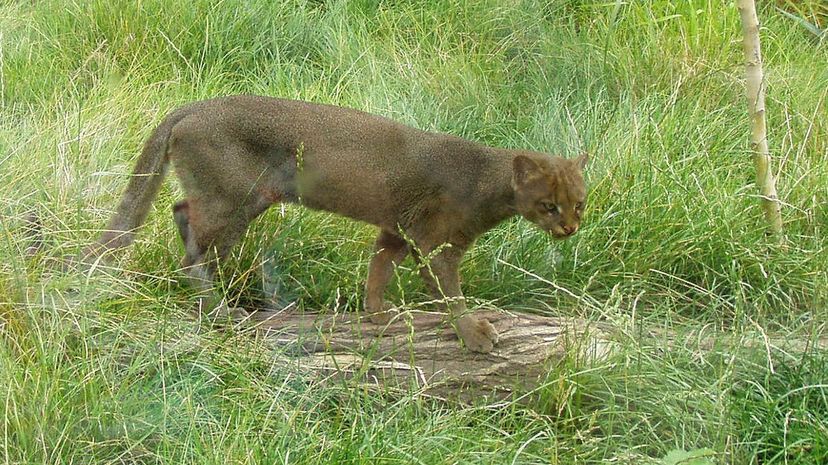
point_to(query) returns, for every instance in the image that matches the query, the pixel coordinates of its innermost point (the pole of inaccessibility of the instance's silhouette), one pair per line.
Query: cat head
(550, 191)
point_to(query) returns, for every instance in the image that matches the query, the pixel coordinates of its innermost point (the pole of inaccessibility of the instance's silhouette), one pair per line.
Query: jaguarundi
(236, 156)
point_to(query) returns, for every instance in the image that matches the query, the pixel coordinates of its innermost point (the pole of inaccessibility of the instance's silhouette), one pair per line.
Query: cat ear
(582, 161)
(523, 169)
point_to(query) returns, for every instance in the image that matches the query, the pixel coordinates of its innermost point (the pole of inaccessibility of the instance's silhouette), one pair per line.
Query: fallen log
(419, 351)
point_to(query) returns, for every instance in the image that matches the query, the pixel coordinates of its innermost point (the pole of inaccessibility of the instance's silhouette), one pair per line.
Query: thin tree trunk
(756, 109)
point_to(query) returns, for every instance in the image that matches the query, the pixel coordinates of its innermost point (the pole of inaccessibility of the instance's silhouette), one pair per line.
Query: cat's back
(268, 118)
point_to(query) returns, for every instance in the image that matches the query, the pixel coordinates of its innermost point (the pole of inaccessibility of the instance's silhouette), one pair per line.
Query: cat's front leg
(478, 334)
(390, 249)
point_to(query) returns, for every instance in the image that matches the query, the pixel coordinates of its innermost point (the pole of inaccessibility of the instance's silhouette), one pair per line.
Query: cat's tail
(141, 190)
(144, 184)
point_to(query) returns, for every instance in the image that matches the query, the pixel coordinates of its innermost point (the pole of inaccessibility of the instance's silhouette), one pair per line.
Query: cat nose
(570, 230)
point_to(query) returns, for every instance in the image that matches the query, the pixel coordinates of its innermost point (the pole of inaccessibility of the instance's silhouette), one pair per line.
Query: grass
(104, 368)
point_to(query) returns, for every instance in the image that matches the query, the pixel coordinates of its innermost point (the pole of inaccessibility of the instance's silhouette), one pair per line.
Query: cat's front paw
(478, 334)
(225, 312)
(382, 316)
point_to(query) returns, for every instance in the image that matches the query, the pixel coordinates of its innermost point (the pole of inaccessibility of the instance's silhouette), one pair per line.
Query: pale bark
(756, 108)
(419, 352)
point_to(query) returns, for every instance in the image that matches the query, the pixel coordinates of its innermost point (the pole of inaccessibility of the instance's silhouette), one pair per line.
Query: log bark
(420, 352)
(756, 108)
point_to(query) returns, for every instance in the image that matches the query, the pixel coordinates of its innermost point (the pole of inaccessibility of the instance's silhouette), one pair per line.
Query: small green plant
(691, 457)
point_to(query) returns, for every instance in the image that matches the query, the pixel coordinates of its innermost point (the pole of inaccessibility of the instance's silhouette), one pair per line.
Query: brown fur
(236, 156)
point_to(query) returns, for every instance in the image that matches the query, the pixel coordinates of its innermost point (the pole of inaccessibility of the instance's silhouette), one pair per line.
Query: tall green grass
(102, 368)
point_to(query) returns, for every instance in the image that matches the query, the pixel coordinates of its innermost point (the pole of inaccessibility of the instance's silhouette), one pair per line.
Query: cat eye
(550, 207)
